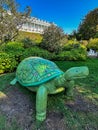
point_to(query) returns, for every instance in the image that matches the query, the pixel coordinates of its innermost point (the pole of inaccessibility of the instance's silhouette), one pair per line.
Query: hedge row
(13, 53)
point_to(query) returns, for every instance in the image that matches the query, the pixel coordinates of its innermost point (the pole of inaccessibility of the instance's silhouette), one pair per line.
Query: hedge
(13, 53)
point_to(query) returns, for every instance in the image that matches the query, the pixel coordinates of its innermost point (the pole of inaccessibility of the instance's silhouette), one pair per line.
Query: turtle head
(67, 78)
(76, 72)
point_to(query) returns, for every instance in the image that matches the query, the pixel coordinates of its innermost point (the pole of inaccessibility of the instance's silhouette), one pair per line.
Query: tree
(89, 25)
(53, 39)
(11, 20)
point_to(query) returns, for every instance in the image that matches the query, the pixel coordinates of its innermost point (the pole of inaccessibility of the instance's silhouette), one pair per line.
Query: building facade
(35, 25)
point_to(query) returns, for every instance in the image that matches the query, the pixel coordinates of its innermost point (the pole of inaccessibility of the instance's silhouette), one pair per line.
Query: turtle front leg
(69, 88)
(41, 103)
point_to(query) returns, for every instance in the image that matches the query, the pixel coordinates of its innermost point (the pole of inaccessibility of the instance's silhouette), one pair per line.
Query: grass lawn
(79, 114)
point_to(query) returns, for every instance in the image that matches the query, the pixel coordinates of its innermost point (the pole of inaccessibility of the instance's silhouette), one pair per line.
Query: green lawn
(79, 114)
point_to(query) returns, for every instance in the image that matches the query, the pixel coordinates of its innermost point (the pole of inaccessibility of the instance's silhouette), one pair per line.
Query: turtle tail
(13, 82)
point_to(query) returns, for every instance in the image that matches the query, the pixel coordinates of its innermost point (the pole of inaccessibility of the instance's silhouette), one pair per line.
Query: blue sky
(67, 14)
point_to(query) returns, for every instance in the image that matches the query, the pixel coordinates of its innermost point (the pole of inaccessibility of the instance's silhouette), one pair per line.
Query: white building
(35, 25)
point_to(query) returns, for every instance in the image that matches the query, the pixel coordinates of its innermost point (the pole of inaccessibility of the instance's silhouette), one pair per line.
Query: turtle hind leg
(13, 82)
(41, 103)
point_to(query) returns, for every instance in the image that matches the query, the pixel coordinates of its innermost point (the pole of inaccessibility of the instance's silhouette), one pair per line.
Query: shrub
(7, 62)
(93, 44)
(84, 42)
(72, 55)
(12, 53)
(36, 51)
(28, 42)
(64, 55)
(79, 54)
(14, 48)
(71, 44)
(52, 39)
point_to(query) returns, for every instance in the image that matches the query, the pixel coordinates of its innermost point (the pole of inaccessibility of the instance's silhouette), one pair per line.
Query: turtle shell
(34, 71)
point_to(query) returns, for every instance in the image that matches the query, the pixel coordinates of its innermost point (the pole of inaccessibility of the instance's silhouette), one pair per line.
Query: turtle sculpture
(44, 77)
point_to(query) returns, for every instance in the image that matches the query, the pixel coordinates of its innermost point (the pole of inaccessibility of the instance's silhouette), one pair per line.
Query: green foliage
(7, 62)
(88, 27)
(93, 44)
(36, 51)
(73, 50)
(71, 44)
(96, 35)
(14, 48)
(28, 42)
(73, 54)
(53, 39)
(14, 52)
(84, 42)
(65, 55)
